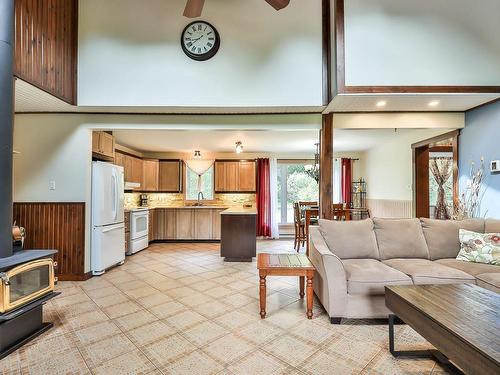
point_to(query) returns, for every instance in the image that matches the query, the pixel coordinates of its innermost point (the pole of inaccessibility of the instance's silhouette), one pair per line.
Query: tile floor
(179, 309)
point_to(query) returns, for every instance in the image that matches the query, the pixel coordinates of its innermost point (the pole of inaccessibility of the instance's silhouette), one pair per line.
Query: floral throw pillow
(479, 247)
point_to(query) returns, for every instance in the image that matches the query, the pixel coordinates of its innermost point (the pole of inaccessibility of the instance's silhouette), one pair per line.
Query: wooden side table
(286, 265)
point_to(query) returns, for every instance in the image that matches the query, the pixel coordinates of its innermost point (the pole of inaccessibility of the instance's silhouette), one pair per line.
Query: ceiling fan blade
(193, 8)
(278, 4)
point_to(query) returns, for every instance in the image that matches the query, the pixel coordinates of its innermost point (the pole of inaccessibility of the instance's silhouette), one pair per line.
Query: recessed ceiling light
(433, 103)
(381, 103)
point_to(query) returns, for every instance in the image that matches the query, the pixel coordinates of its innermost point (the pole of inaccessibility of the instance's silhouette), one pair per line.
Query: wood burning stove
(26, 276)
(26, 283)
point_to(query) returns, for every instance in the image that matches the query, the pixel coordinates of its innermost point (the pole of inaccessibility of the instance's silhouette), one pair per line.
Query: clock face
(200, 40)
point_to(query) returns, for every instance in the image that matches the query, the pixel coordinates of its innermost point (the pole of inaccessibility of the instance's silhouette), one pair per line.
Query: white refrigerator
(108, 227)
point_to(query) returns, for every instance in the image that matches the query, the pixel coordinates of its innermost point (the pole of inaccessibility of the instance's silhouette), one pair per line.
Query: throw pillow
(479, 247)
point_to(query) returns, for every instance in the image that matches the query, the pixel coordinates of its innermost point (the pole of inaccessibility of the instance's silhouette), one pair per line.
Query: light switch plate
(495, 166)
(52, 185)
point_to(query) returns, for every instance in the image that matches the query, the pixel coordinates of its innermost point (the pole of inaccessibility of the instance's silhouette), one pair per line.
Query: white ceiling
(254, 141)
(407, 102)
(186, 141)
(31, 99)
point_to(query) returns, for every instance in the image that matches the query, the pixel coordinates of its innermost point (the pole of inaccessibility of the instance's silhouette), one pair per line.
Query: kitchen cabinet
(103, 145)
(151, 225)
(165, 224)
(119, 159)
(170, 176)
(185, 224)
(235, 176)
(216, 223)
(202, 224)
(149, 175)
(127, 231)
(246, 176)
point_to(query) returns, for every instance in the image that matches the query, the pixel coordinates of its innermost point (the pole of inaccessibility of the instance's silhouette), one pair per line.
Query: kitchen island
(238, 234)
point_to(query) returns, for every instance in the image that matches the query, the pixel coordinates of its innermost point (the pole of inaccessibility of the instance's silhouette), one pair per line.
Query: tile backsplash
(132, 200)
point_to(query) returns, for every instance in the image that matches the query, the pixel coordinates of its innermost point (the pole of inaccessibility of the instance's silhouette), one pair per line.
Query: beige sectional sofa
(356, 259)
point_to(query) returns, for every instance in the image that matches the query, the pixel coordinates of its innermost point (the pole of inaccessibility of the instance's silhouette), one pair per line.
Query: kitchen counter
(240, 211)
(238, 234)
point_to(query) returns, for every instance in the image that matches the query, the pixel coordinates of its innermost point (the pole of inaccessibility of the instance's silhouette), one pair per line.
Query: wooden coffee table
(286, 265)
(462, 321)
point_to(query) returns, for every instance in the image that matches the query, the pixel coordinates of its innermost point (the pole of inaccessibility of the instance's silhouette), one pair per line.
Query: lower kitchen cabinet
(203, 224)
(185, 224)
(216, 223)
(165, 224)
(151, 225)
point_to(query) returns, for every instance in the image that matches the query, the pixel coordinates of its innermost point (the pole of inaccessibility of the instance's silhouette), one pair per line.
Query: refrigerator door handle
(112, 228)
(115, 194)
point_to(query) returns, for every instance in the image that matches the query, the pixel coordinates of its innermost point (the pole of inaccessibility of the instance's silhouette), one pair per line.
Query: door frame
(420, 175)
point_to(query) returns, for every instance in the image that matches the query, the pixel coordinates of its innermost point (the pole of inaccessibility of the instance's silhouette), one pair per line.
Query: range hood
(132, 185)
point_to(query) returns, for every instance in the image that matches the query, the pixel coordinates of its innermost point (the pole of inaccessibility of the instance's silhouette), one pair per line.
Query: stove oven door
(26, 283)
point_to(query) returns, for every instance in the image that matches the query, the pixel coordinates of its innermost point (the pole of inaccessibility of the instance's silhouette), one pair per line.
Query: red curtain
(263, 198)
(346, 181)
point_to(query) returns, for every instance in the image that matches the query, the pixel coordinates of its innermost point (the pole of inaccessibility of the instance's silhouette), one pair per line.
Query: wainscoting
(388, 208)
(59, 226)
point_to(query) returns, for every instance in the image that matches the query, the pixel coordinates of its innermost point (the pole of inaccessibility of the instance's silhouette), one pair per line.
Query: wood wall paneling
(46, 40)
(59, 226)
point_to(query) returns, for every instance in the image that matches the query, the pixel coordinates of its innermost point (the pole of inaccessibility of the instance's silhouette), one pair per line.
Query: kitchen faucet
(202, 197)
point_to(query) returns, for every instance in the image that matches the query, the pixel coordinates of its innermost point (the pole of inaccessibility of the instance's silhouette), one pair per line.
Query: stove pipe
(6, 124)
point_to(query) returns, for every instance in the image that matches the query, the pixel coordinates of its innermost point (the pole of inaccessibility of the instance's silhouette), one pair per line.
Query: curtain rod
(353, 159)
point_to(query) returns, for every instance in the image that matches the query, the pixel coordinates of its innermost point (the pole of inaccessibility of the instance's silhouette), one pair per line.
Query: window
(294, 184)
(206, 184)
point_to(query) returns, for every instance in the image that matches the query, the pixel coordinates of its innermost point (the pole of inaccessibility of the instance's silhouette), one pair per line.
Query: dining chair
(338, 212)
(299, 225)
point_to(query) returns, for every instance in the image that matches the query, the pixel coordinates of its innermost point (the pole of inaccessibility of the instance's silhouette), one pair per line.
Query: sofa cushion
(469, 267)
(442, 235)
(350, 239)
(479, 247)
(369, 276)
(400, 238)
(423, 271)
(490, 281)
(491, 226)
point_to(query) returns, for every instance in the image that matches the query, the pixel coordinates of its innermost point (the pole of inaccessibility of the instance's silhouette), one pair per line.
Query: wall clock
(200, 40)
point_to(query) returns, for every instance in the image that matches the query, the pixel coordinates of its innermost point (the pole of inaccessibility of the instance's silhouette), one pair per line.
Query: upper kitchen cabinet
(103, 145)
(46, 42)
(170, 176)
(132, 168)
(234, 176)
(150, 175)
(246, 176)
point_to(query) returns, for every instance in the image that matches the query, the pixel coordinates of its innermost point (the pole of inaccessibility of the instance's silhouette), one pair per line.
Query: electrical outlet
(52, 185)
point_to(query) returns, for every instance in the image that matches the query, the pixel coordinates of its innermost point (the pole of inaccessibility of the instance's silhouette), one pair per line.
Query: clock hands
(195, 40)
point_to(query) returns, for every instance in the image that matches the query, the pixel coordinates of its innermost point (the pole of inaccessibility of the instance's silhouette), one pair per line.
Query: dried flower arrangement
(469, 203)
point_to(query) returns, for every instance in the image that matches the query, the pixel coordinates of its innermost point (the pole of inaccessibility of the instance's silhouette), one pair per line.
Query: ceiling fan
(194, 7)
